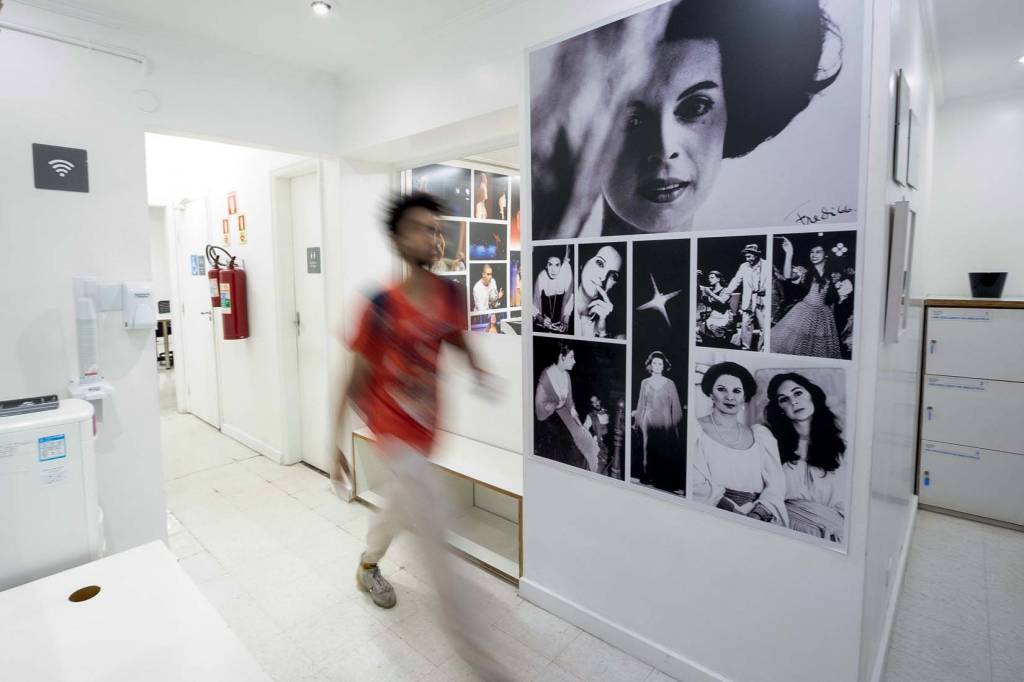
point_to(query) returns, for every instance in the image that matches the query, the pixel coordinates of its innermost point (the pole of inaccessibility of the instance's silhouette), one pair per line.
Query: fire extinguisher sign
(225, 297)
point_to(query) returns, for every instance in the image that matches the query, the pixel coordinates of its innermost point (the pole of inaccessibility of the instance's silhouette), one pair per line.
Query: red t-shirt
(402, 344)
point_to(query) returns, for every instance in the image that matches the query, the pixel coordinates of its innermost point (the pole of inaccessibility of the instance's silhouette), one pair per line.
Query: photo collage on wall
(694, 255)
(479, 246)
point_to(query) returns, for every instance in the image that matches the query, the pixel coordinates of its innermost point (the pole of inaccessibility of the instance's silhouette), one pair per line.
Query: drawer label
(962, 315)
(958, 384)
(945, 450)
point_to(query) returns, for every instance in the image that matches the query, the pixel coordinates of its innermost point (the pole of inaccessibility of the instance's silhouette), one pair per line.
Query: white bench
(486, 486)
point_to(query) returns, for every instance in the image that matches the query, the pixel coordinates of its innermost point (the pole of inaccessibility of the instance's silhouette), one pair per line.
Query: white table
(149, 622)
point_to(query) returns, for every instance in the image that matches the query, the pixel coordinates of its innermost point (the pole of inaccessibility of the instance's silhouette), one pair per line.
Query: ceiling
(354, 34)
(978, 44)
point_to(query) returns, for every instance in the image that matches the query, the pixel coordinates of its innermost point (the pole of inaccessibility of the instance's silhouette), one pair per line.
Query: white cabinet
(972, 410)
(975, 342)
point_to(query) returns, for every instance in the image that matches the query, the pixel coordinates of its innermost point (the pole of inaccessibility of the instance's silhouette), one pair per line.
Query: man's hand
(341, 477)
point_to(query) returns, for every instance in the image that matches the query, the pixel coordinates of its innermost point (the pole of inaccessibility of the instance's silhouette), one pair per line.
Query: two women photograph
(779, 459)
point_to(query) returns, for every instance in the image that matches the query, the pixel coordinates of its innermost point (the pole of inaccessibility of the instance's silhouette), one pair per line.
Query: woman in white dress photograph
(657, 416)
(812, 451)
(735, 466)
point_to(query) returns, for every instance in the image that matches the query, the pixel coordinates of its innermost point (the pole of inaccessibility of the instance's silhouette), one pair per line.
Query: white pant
(415, 500)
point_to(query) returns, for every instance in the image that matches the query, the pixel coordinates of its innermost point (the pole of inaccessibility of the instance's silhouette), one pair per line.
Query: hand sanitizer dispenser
(139, 306)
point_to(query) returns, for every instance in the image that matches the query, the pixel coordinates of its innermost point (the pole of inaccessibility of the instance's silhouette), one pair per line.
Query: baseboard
(632, 643)
(252, 443)
(894, 598)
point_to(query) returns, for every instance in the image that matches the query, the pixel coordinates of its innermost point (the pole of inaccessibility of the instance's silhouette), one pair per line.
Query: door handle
(208, 313)
(931, 347)
(930, 411)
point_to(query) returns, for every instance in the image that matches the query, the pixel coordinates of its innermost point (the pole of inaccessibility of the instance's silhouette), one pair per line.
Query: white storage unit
(485, 485)
(971, 457)
(50, 518)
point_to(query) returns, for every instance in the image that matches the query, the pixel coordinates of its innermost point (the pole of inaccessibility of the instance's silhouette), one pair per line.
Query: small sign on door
(313, 260)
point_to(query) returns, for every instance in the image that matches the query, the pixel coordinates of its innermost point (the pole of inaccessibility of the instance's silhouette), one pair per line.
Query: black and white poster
(770, 442)
(694, 205)
(553, 289)
(813, 296)
(699, 115)
(580, 404)
(487, 286)
(451, 184)
(660, 363)
(600, 300)
(733, 283)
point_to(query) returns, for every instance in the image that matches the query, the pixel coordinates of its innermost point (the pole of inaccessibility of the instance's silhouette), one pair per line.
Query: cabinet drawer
(975, 342)
(975, 412)
(973, 481)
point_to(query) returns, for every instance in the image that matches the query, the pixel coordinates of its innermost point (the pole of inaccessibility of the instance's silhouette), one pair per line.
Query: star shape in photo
(658, 301)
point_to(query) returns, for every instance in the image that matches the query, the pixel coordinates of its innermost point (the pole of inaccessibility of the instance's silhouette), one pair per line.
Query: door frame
(284, 287)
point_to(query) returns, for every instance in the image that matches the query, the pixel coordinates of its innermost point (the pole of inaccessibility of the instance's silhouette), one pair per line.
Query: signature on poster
(826, 213)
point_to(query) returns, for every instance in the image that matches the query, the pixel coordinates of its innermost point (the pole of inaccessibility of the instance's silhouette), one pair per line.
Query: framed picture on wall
(902, 144)
(901, 248)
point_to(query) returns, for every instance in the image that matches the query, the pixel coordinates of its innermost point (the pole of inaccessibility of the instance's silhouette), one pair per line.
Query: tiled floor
(275, 552)
(961, 614)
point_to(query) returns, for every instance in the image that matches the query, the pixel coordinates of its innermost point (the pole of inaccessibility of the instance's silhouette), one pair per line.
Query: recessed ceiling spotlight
(320, 7)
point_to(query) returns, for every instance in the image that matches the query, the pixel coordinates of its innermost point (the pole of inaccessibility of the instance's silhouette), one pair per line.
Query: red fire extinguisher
(233, 304)
(213, 276)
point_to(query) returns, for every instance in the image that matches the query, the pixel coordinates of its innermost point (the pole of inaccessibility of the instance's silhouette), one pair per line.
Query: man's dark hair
(396, 208)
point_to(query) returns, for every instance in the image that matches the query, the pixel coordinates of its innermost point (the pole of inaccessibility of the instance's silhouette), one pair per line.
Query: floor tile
(950, 651)
(543, 632)
(591, 659)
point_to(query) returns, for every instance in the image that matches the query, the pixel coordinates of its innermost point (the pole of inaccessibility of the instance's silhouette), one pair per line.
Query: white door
(310, 327)
(198, 354)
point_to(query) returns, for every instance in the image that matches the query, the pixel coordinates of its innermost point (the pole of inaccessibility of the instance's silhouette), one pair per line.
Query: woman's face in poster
(714, 279)
(567, 361)
(671, 136)
(795, 401)
(727, 395)
(657, 367)
(601, 271)
(817, 255)
(554, 265)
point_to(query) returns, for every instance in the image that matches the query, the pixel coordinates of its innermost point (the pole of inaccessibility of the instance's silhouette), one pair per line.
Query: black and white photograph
(450, 241)
(490, 196)
(487, 286)
(699, 115)
(660, 364)
(771, 442)
(451, 184)
(515, 216)
(553, 289)
(813, 294)
(733, 283)
(460, 281)
(488, 241)
(488, 323)
(600, 300)
(580, 404)
(515, 279)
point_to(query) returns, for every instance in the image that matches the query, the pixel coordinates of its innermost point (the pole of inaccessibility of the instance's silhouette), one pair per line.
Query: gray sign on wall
(313, 260)
(60, 168)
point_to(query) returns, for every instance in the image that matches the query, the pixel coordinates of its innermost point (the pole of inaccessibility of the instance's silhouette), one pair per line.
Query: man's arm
(357, 382)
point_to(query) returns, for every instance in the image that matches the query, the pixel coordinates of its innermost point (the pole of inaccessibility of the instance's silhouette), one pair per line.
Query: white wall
(250, 370)
(59, 94)
(899, 44)
(159, 256)
(48, 237)
(975, 219)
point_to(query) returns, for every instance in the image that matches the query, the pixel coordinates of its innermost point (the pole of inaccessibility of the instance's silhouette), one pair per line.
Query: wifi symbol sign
(61, 167)
(65, 169)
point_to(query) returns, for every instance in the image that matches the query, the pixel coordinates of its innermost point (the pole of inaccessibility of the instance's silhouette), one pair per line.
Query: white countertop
(148, 623)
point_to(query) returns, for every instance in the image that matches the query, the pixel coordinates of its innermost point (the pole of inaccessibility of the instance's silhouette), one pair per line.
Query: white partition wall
(700, 593)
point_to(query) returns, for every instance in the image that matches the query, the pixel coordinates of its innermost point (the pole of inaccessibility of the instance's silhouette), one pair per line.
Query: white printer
(50, 518)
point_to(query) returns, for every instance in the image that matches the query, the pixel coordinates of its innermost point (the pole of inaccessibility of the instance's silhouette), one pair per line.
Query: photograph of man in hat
(732, 308)
(751, 279)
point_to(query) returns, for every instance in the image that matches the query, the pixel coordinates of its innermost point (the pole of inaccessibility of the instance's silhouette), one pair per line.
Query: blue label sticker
(52, 447)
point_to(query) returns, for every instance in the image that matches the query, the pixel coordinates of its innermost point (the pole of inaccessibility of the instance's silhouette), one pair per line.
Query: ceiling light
(320, 7)
(1021, 60)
